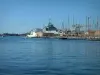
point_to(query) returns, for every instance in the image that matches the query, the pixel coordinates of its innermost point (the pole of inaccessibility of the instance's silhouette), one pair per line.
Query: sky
(20, 16)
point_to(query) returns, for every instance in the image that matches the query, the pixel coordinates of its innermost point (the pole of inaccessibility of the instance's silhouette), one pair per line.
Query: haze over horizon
(19, 16)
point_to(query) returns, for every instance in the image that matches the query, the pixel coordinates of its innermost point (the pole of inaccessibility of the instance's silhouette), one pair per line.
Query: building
(77, 30)
(97, 33)
(91, 32)
(50, 30)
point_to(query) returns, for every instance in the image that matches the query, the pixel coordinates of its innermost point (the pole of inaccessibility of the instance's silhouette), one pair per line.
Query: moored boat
(94, 39)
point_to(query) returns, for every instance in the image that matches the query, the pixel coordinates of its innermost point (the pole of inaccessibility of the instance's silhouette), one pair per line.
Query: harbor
(89, 31)
(76, 32)
(49, 37)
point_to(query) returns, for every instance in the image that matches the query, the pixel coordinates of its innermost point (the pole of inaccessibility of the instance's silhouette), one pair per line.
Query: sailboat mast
(88, 23)
(93, 24)
(73, 19)
(63, 25)
(68, 21)
(97, 23)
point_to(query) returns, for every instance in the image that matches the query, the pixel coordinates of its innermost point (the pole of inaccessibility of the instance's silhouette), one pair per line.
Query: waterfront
(47, 56)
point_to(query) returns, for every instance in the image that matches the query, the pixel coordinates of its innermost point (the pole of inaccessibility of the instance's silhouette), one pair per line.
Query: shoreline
(60, 37)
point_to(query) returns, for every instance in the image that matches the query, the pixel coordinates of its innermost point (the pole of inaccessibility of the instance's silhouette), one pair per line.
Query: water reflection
(49, 57)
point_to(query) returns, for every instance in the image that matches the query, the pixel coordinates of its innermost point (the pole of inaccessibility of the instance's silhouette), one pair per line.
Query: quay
(50, 31)
(75, 32)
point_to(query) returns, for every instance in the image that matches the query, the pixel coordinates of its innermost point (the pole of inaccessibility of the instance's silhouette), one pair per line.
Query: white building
(50, 30)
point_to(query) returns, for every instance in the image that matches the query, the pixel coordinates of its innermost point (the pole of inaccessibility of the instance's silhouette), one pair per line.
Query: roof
(50, 27)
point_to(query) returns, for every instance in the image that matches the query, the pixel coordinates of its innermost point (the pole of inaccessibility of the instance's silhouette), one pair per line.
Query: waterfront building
(97, 33)
(91, 32)
(77, 30)
(50, 30)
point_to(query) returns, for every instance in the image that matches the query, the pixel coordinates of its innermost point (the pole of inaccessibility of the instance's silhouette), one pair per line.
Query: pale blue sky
(18, 16)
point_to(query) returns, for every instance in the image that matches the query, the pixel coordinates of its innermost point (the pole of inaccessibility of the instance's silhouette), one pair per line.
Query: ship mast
(49, 20)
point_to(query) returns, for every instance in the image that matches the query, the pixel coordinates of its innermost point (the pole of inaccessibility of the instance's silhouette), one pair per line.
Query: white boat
(32, 34)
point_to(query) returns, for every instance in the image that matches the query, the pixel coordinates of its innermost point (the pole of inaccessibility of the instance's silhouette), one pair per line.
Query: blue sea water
(41, 56)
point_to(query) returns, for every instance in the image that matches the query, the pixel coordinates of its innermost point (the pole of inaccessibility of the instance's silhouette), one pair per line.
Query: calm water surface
(37, 56)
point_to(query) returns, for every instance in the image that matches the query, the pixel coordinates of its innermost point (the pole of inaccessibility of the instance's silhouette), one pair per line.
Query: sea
(48, 56)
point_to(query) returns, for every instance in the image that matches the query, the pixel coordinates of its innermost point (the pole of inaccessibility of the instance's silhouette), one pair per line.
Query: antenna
(49, 20)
